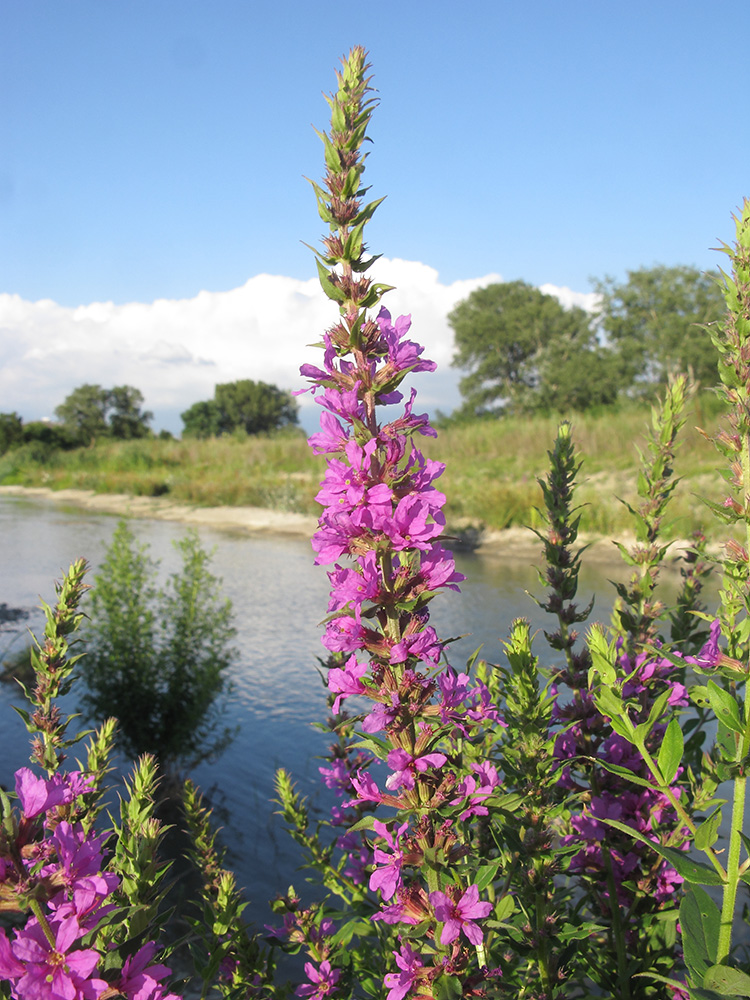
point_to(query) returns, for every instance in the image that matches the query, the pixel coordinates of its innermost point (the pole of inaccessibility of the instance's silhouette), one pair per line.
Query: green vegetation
(252, 407)
(90, 412)
(524, 353)
(156, 658)
(655, 323)
(490, 481)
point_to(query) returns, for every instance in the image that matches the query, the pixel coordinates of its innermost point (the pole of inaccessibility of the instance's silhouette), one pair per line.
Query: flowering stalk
(383, 514)
(53, 669)
(641, 610)
(630, 893)
(87, 910)
(732, 339)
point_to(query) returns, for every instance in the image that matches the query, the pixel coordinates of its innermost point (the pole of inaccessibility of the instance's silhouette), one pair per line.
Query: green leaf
(608, 703)
(670, 751)
(486, 874)
(602, 654)
(30, 726)
(725, 708)
(448, 988)
(366, 823)
(331, 290)
(692, 871)
(657, 710)
(708, 832)
(505, 908)
(699, 921)
(732, 982)
(624, 772)
(583, 932)
(377, 747)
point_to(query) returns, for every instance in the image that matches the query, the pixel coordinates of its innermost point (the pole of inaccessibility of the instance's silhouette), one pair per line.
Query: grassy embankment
(490, 478)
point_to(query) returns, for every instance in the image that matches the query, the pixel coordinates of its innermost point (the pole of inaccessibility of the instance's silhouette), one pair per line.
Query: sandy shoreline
(513, 543)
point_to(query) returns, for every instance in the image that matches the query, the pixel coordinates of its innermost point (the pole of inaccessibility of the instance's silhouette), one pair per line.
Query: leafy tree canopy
(254, 407)
(11, 431)
(90, 412)
(512, 338)
(654, 321)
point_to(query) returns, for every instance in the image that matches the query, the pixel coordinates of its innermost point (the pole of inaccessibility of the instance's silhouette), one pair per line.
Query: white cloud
(175, 352)
(568, 298)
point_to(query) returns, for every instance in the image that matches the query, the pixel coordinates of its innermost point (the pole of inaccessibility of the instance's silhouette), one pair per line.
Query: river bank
(511, 543)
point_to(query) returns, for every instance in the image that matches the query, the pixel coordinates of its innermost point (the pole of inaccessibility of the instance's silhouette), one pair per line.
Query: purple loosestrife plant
(81, 911)
(630, 892)
(380, 529)
(707, 930)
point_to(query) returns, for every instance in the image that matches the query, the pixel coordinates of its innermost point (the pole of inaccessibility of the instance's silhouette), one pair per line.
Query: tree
(255, 407)
(126, 419)
(574, 375)
(90, 412)
(84, 412)
(501, 334)
(201, 420)
(11, 431)
(157, 658)
(654, 321)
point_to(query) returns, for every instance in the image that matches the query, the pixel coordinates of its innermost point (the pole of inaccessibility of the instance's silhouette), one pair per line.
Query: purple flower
(404, 766)
(55, 972)
(330, 438)
(141, 981)
(403, 355)
(460, 916)
(345, 683)
(366, 788)
(381, 715)
(322, 981)
(710, 655)
(388, 877)
(10, 967)
(399, 983)
(337, 777)
(37, 795)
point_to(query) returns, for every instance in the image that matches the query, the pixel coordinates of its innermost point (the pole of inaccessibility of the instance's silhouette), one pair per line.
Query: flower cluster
(587, 734)
(383, 511)
(56, 871)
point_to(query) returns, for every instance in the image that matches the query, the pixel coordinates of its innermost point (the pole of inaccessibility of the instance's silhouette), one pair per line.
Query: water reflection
(279, 598)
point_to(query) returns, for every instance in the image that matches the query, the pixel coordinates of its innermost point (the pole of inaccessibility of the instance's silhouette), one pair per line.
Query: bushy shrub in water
(157, 657)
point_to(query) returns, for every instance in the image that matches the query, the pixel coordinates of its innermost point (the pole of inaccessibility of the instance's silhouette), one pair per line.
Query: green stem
(682, 814)
(37, 911)
(740, 783)
(733, 866)
(623, 976)
(542, 956)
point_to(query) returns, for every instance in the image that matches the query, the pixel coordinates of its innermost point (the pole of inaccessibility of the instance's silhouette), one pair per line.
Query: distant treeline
(91, 413)
(522, 352)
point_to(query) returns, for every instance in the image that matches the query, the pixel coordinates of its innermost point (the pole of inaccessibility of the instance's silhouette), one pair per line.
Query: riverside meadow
(500, 830)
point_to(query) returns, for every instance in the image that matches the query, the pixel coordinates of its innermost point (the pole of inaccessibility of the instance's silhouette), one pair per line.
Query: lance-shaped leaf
(670, 751)
(699, 921)
(692, 871)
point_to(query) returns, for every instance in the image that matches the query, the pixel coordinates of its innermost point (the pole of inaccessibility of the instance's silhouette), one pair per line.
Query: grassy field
(490, 479)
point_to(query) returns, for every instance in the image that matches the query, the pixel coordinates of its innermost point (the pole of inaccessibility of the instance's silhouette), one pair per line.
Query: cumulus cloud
(175, 352)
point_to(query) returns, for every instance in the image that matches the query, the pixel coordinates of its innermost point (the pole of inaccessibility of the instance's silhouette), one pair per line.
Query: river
(279, 598)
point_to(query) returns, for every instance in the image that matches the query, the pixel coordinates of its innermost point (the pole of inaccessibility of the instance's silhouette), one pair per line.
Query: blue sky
(155, 151)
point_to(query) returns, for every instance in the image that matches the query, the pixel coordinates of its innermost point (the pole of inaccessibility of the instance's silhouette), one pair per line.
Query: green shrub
(157, 658)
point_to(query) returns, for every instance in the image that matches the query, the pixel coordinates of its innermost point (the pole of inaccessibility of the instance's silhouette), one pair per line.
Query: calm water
(279, 598)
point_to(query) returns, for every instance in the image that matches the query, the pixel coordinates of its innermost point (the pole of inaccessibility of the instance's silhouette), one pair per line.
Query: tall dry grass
(490, 479)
